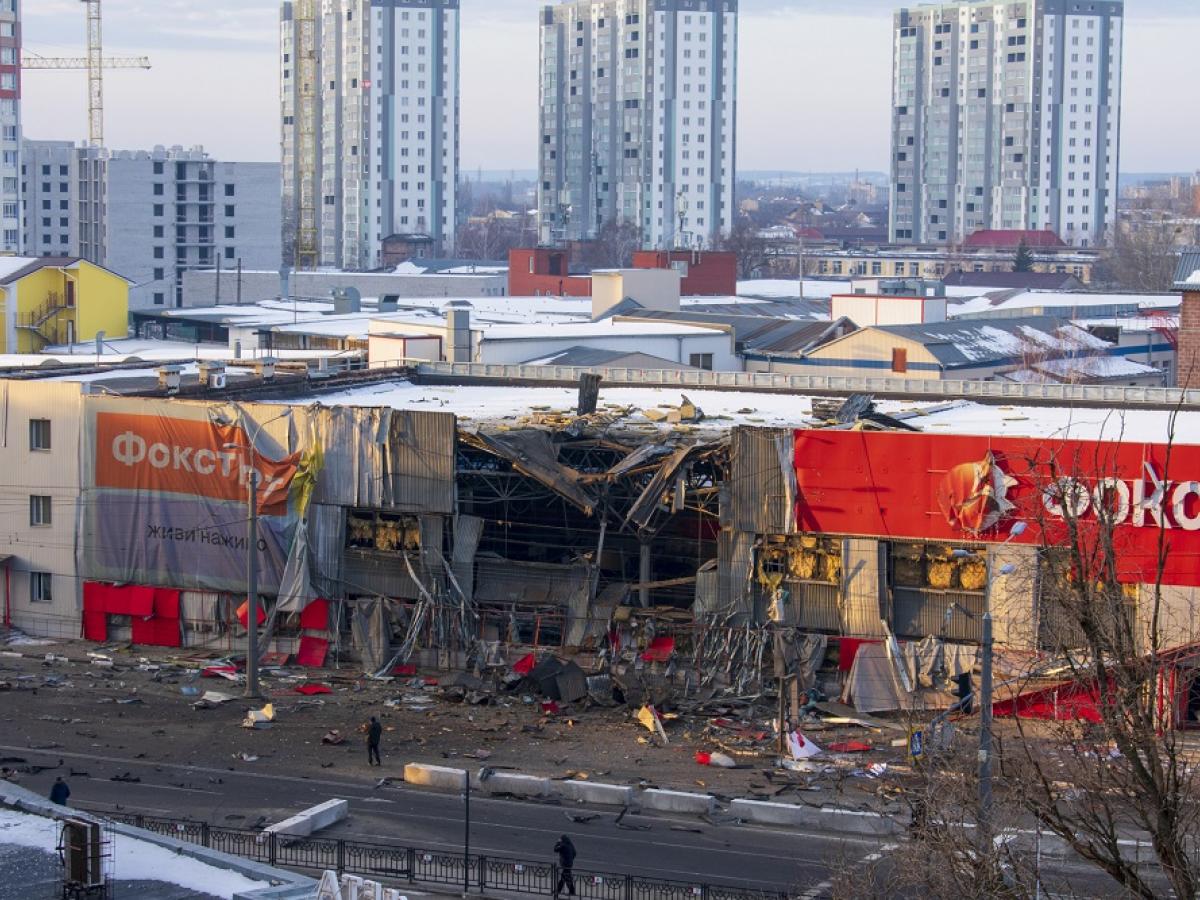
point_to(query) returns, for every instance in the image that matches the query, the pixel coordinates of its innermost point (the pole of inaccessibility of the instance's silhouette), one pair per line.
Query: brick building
(547, 271)
(1187, 279)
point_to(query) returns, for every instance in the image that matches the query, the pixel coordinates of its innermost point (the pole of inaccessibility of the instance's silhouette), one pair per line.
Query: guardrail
(413, 865)
(907, 388)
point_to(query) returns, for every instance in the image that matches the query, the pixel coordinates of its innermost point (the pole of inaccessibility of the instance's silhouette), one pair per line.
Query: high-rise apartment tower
(1006, 116)
(637, 121)
(370, 112)
(10, 128)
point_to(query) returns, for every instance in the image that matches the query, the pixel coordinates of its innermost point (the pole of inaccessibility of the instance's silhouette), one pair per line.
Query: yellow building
(59, 300)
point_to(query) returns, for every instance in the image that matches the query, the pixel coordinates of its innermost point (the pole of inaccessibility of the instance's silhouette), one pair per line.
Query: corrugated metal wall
(761, 495)
(326, 545)
(863, 589)
(387, 459)
(1014, 596)
(920, 612)
(735, 563)
(421, 462)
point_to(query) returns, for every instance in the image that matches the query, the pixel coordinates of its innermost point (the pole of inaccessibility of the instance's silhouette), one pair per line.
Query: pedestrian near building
(60, 792)
(566, 862)
(374, 733)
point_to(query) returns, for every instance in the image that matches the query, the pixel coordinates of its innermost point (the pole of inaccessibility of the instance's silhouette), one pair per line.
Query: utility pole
(252, 691)
(466, 832)
(985, 728)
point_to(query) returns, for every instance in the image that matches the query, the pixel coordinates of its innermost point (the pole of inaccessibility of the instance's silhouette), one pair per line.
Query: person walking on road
(374, 733)
(60, 793)
(566, 861)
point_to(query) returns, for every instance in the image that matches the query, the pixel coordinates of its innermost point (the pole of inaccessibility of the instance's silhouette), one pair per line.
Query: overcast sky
(813, 94)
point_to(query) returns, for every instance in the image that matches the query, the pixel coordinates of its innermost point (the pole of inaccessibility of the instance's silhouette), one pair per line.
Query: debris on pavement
(259, 718)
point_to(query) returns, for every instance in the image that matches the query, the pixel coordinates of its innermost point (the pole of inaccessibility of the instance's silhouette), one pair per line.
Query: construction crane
(95, 62)
(306, 142)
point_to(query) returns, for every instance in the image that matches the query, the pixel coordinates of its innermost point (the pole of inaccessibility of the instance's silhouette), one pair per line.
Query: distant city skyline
(814, 91)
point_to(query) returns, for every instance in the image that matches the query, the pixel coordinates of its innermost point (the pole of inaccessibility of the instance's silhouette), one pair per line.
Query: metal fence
(882, 386)
(413, 865)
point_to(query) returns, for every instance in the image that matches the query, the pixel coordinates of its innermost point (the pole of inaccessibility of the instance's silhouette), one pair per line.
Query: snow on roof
(819, 289)
(603, 328)
(1132, 323)
(1095, 367)
(1047, 422)
(1005, 301)
(974, 341)
(483, 404)
(10, 265)
(475, 404)
(1194, 278)
(133, 859)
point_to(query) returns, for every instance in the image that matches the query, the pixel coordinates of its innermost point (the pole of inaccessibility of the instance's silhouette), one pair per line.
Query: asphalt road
(683, 848)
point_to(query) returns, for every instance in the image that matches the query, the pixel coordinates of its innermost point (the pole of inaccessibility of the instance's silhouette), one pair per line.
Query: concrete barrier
(678, 802)
(312, 819)
(845, 821)
(517, 785)
(763, 813)
(434, 776)
(590, 792)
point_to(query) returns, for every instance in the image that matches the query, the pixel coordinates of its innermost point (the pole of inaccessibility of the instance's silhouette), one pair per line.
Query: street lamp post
(252, 585)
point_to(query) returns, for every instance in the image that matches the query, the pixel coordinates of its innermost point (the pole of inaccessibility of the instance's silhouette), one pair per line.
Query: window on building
(39, 587)
(39, 434)
(701, 361)
(39, 511)
(900, 359)
(229, 190)
(230, 211)
(158, 209)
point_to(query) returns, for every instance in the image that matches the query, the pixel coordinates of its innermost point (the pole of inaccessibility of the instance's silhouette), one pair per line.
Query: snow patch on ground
(134, 860)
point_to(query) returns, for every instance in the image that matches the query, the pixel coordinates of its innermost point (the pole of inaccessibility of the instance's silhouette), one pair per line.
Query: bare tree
(1107, 767)
(753, 251)
(613, 247)
(1144, 255)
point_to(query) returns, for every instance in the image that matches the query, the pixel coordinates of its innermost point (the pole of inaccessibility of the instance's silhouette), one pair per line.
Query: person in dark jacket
(374, 733)
(60, 793)
(566, 861)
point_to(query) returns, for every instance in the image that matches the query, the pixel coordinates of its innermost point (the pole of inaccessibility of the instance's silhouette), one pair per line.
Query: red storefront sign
(960, 489)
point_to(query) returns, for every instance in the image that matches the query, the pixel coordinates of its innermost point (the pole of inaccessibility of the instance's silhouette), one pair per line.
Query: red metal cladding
(965, 489)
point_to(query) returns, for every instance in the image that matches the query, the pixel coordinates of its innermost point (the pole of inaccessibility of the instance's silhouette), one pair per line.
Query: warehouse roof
(476, 404)
(974, 343)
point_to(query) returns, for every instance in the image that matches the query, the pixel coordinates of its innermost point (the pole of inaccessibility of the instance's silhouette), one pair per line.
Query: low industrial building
(404, 517)
(414, 279)
(973, 350)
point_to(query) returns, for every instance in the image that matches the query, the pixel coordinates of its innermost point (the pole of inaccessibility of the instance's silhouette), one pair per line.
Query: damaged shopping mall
(670, 546)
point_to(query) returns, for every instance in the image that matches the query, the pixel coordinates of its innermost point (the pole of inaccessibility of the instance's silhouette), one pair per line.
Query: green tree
(1023, 261)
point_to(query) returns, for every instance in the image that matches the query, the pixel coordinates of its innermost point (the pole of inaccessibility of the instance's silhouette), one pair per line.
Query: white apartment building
(1006, 116)
(10, 128)
(374, 151)
(638, 116)
(150, 215)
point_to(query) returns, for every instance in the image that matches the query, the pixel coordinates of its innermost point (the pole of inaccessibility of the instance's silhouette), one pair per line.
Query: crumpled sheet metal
(533, 453)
